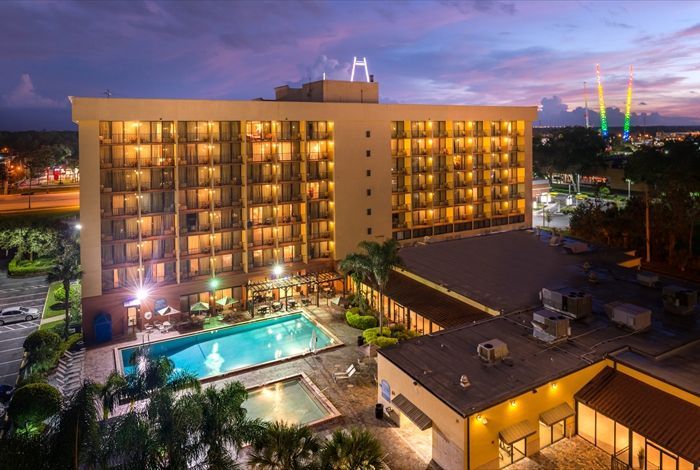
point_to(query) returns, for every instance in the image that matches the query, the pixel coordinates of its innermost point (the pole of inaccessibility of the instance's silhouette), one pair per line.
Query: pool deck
(354, 398)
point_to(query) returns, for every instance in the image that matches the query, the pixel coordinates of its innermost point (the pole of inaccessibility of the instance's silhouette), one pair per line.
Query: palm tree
(111, 391)
(357, 266)
(66, 270)
(133, 441)
(357, 449)
(224, 426)
(383, 258)
(150, 375)
(75, 428)
(284, 447)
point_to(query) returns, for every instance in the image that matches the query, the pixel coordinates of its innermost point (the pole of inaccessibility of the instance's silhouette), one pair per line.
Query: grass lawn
(54, 325)
(52, 308)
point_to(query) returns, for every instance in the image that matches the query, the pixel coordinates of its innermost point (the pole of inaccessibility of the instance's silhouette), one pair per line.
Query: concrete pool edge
(311, 387)
(336, 342)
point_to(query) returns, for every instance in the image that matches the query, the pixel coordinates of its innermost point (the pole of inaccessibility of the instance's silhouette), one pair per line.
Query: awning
(556, 414)
(412, 412)
(517, 432)
(661, 417)
(132, 302)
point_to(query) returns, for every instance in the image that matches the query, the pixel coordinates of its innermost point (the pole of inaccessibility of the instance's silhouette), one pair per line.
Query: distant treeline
(25, 142)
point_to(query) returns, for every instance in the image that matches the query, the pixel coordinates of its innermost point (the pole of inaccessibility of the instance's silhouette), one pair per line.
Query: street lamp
(142, 294)
(629, 188)
(277, 270)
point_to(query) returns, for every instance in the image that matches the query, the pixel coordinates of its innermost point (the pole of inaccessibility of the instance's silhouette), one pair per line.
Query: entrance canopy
(517, 432)
(556, 414)
(412, 412)
(258, 287)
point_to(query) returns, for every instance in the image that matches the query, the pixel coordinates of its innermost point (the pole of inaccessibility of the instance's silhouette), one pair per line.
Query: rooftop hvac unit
(550, 326)
(492, 351)
(679, 300)
(632, 316)
(573, 304)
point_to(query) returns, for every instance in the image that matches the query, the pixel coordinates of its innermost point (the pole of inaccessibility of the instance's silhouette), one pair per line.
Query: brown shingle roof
(440, 308)
(669, 421)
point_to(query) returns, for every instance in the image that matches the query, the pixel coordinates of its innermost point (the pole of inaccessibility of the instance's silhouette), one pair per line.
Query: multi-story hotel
(177, 193)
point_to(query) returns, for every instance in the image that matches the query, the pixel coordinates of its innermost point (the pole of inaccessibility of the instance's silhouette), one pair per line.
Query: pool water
(289, 401)
(225, 350)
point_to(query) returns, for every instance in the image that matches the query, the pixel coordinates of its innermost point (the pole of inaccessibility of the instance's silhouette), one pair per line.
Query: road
(27, 292)
(17, 202)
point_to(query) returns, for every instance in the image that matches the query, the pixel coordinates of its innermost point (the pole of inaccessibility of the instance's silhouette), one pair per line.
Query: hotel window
(368, 134)
(369, 211)
(368, 153)
(369, 192)
(369, 230)
(369, 172)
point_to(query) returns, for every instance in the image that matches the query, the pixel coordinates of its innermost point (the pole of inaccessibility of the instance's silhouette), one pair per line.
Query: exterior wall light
(513, 403)
(554, 385)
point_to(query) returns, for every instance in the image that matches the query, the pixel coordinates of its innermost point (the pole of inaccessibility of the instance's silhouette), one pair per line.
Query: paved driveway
(26, 292)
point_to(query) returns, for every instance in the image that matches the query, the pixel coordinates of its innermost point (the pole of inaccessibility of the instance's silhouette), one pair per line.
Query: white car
(14, 314)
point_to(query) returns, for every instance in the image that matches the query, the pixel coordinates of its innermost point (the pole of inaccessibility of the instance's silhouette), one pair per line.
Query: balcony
(194, 137)
(399, 189)
(316, 236)
(398, 134)
(399, 208)
(286, 220)
(398, 171)
(260, 202)
(419, 169)
(317, 176)
(293, 178)
(418, 134)
(194, 229)
(262, 222)
(317, 196)
(267, 179)
(399, 225)
(319, 135)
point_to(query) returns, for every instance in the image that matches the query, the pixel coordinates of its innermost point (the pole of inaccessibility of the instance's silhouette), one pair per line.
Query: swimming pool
(229, 349)
(295, 400)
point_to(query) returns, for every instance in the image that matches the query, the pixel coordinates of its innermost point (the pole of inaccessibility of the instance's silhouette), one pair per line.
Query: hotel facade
(177, 193)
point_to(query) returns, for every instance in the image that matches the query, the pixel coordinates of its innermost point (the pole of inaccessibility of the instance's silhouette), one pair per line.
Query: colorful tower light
(628, 108)
(601, 100)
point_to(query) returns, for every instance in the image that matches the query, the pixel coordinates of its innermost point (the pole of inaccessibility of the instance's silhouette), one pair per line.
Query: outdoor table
(167, 325)
(276, 305)
(292, 303)
(263, 309)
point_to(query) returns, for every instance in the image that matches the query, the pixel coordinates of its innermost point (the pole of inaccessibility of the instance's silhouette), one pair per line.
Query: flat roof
(430, 303)
(504, 271)
(437, 361)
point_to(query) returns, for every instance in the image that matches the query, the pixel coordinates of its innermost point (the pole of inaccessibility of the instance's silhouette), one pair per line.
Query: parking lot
(23, 292)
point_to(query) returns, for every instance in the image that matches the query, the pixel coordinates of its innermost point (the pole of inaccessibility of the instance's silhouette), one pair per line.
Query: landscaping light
(277, 270)
(78, 226)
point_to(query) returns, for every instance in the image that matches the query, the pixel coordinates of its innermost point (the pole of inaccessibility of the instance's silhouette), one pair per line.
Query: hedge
(41, 345)
(34, 403)
(361, 322)
(28, 268)
(383, 341)
(59, 293)
(389, 336)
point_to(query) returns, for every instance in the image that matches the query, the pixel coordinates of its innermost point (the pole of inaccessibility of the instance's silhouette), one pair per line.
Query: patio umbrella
(226, 301)
(199, 307)
(167, 311)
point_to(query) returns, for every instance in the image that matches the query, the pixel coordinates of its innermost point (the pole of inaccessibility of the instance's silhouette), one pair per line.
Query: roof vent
(679, 300)
(629, 315)
(464, 381)
(492, 351)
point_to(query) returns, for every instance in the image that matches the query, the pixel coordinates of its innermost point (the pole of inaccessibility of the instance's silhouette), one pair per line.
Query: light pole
(629, 188)
(213, 284)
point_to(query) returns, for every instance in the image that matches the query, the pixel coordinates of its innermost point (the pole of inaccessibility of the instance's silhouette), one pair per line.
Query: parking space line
(10, 339)
(9, 375)
(8, 350)
(10, 362)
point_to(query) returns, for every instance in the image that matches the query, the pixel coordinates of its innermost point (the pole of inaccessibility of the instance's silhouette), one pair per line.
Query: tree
(357, 266)
(357, 449)
(150, 375)
(75, 429)
(224, 425)
(110, 392)
(284, 447)
(383, 258)
(66, 270)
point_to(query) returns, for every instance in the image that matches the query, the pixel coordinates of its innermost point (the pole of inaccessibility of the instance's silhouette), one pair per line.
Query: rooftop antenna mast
(628, 108)
(107, 93)
(359, 63)
(585, 100)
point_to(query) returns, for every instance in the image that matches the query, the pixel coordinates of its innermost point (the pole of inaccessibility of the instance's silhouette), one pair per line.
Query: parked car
(6, 392)
(14, 314)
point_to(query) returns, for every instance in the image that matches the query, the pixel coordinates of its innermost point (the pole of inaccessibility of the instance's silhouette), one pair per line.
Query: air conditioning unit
(573, 304)
(492, 351)
(550, 326)
(629, 315)
(679, 300)
(647, 279)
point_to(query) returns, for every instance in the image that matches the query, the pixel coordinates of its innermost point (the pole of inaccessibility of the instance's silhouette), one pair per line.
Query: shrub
(34, 403)
(383, 341)
(18, 267)
(70, 343)
(370, 334)
(60, 293)
(361, 322)
(41, 345)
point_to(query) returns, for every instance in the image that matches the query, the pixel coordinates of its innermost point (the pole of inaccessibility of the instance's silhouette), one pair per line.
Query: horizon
(476, 53)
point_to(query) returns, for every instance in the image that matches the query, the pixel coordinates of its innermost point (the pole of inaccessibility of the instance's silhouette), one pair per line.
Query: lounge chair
(349, 372)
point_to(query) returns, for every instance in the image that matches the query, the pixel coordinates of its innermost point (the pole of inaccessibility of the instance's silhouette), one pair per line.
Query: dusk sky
(476, 52)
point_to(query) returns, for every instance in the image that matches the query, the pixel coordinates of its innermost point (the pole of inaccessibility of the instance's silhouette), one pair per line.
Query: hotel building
(175, 193)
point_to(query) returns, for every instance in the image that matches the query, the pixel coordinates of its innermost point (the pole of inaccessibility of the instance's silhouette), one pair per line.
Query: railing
(616, 463)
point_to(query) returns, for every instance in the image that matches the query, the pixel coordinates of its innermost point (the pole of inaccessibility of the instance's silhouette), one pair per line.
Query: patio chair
(349, 372)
